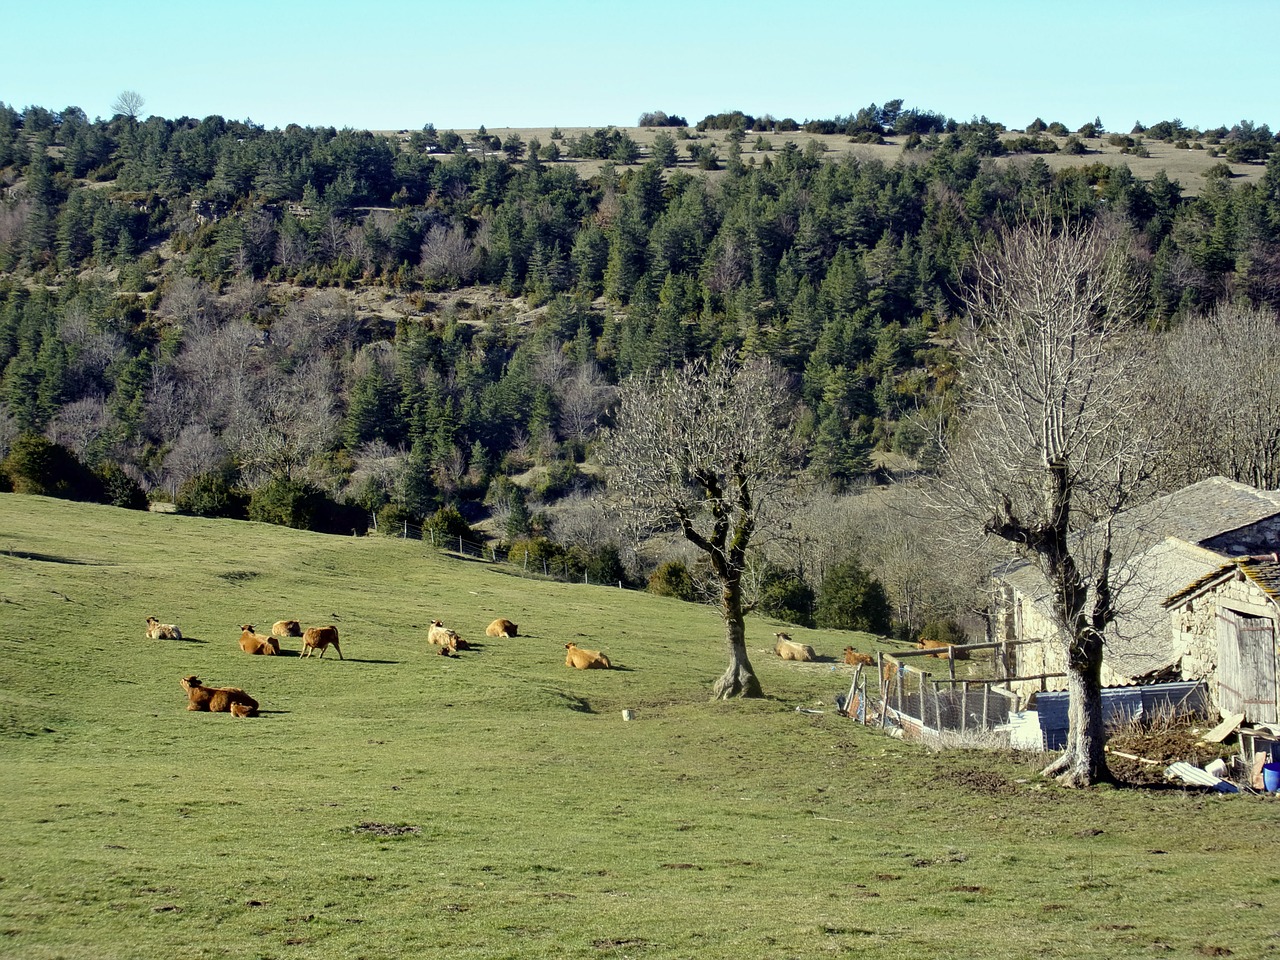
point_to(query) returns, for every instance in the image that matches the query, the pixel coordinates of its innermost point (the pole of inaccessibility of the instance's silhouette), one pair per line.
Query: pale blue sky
(396, 64)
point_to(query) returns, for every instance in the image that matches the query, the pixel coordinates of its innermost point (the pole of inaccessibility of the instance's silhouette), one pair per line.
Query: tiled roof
(1262, 570)
(1206, 513)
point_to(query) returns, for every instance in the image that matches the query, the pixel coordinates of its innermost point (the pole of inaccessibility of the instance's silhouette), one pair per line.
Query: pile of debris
(1192, 756)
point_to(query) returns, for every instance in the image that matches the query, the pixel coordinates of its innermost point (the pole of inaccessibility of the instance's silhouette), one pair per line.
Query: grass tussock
(495, 804)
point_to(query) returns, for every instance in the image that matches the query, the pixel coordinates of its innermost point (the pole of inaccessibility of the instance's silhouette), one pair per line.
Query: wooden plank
(1229, 725)
(1255, 775)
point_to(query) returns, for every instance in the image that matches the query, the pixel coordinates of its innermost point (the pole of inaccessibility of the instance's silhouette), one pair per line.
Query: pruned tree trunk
(1084, 761)
(739, 679)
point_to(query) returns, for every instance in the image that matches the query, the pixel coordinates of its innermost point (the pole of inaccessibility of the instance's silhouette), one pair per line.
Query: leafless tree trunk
(1051, 444)
(706, 448)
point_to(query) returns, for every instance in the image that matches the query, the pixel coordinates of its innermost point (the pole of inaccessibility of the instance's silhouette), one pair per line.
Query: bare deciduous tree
(80, 424)
(13, 221)
(9, 430)
(584, 395)
(315, 323)
(1050, 445)
(1220, 379)
(379, 469)
(195, 450)
(707, 448)
(91, 349)
(908, 550)
(447, 254)
(129, 104)
(292, 421)
(170, 404)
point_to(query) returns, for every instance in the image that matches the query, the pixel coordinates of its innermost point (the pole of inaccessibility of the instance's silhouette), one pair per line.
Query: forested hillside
(311, 326)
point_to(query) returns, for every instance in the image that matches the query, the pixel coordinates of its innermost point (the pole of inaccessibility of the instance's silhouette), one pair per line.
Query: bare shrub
(448, 255)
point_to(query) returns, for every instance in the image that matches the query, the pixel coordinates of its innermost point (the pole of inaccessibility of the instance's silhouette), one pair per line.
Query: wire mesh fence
(921, 703)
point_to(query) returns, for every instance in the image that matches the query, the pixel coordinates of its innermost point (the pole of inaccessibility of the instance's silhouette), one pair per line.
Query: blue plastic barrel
(1271, 777)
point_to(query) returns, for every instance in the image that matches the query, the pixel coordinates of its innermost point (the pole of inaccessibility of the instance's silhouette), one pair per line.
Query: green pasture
(402, 804)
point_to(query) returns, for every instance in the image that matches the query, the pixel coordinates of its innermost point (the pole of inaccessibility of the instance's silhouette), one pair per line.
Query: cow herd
(235, 701)
(449, 642)
(789, 649)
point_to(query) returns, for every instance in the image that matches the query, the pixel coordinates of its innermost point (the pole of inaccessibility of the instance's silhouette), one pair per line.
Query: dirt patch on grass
(373, 828)
(984, 782)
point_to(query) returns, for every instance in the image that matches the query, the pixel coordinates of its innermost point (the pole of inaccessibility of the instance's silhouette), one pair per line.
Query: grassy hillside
(401, 804)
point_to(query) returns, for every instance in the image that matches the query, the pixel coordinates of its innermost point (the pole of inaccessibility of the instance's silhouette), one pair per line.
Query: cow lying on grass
(441, 636)
(162, 631)
(320, 638)
(581, 659)
(854, 657)
(501, 627)
(230, 700)
(943, 648)
(286, 628)
(789, 649)
(257, 643)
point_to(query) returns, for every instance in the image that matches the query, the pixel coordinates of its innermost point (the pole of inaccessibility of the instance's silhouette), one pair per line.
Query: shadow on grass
(51, 558)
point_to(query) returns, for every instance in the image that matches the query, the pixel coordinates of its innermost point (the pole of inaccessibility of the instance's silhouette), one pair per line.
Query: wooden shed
(1225, 630)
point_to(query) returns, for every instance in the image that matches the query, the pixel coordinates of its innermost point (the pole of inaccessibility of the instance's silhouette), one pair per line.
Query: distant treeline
(193, 300)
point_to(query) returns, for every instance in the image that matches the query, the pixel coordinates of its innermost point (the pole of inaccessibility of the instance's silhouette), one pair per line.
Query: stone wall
(1195, 631)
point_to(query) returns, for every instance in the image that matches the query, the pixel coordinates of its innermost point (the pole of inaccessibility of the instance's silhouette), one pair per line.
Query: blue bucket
(1271, 777)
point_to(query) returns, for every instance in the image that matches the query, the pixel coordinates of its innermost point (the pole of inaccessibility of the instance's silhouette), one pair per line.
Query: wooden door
(1246, 666)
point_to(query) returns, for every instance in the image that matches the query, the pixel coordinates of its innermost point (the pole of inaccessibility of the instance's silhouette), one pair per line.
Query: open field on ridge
(1187, 166)
(401, 804)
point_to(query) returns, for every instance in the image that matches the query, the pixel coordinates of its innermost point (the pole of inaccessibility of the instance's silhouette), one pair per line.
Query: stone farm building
(1182, 548)
(1224, 625)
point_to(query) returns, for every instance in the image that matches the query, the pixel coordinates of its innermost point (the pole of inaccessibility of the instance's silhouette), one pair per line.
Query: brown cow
(943, 647)
(854, 657)
(162, 631)
(230, 700)
(789, 649)
(501, 627)
(257, 643)
(582, 659)
(320, 638)
(286, 628)
(441, 636)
